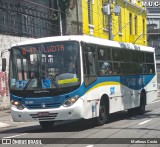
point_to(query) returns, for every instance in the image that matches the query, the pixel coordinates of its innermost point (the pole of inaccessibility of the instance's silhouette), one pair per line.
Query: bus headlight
(70, 101)
(17, 104)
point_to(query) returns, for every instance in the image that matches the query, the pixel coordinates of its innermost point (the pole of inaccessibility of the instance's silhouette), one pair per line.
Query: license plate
(40, 114)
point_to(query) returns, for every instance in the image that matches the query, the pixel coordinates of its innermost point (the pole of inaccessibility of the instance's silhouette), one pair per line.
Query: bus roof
(87, 39)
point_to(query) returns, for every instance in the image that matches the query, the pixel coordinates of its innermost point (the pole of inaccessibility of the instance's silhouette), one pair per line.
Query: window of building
(105, 17)
(105, 21)
(28, 20)
(130, 24)
(90, 12)
(120, 22)
(143, 27)
(135, 25)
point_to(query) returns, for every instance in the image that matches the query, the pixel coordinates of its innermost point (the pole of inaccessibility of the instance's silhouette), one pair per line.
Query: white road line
(2, 125)
(90, 145)
(16, 135)
(156, 101)
(143, 122)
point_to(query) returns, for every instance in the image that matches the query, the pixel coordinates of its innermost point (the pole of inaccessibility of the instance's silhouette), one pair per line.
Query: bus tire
(142, 108)
(47, 124)
(103, 115)
(132, 111)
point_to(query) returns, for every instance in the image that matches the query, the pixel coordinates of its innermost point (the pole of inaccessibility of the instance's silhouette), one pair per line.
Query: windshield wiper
(29, 81)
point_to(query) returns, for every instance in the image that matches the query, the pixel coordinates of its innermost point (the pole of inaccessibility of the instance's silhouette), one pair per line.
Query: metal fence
(24, 19)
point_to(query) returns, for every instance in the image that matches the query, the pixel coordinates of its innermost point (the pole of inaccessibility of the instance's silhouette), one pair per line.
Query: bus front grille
(51, 116)
(40, 106)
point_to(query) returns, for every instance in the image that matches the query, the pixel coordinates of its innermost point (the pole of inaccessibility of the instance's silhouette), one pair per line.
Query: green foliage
(64, 8)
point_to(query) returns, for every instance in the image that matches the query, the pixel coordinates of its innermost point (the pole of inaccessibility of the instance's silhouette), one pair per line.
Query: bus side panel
(121, 97)
(91, 104)
(118, 100)
(151, 90)
(130, 97)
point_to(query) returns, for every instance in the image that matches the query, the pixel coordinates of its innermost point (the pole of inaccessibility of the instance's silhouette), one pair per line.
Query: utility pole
(110, 20)
(77, 17)
(60, 18)
(106, 10)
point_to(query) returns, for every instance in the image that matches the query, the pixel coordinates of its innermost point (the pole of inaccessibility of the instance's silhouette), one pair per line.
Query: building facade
(153, 31)
(126, 21)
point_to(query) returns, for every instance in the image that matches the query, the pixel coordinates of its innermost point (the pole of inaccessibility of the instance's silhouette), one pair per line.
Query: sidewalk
(6, 119)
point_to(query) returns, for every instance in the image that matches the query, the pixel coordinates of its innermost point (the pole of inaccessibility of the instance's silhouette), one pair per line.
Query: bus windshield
(45, 66)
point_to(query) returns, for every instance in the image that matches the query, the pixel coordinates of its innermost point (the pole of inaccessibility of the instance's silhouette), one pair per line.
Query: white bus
(79, 77)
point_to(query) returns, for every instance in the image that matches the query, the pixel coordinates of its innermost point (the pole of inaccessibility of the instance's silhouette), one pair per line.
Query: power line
(41, 5)
(129, 22)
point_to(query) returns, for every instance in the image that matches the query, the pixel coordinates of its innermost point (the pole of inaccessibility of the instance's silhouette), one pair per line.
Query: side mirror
(4, 64)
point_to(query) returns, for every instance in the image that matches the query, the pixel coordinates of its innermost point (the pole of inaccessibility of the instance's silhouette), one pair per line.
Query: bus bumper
(57, 114)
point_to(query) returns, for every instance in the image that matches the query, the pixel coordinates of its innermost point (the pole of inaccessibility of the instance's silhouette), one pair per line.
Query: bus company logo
(151, 3)
(112, 90)
(6, 141)
(43, 105)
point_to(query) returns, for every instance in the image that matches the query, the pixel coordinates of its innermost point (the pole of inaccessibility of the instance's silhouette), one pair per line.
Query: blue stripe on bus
(133, 82)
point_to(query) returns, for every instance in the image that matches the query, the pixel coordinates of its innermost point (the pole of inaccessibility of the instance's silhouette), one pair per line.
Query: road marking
(16, 135)
(156, 101)
(146, 121)
(2, 125)
(90, 145)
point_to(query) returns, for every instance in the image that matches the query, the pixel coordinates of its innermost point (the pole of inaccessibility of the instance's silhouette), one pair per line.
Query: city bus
(79, 77)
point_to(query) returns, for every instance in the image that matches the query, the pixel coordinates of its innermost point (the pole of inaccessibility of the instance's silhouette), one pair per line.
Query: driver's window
(90, 58)
(19, 68)
(89, 65)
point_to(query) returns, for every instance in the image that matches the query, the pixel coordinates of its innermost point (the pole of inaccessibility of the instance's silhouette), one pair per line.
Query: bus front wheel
(47, 124)
(102, 118)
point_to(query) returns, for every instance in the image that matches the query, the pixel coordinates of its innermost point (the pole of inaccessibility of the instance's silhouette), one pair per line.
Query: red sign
(48, 49)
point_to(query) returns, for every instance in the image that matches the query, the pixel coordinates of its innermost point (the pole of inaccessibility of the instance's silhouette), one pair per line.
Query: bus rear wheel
(142, 108)
(47, 124)
(132, 111)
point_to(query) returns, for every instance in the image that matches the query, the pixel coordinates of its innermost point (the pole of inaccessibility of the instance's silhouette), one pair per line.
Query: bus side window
(89, 61)
(144, 69)
(105, 68)
(117, 55)
(151, 68)
(118, 69)
(84, 64)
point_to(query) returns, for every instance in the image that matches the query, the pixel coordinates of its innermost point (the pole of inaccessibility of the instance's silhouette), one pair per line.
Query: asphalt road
(85, 133)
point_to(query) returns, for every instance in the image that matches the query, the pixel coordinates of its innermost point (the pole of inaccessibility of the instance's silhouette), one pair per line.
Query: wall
(6, 42)
(74, 18)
